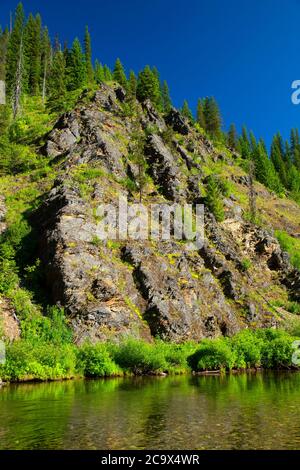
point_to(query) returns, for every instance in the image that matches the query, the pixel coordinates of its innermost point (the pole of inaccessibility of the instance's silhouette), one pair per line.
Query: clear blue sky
(245, 53)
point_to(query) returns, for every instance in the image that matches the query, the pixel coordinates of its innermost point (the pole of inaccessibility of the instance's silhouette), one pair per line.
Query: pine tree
(33, 53)
(57, 83)
(88, 56)
(166, 99)
(244, 144)
(148, 87)
(108, 76)
(212, 117)
(264, 169)
(200, 114)
(4, 37)
(186, 112)
(76, 70)
(132, 84)
(277, 158)
(119, 74)
(214, 199)
(14, 49)
(99, 72)
(232, 137)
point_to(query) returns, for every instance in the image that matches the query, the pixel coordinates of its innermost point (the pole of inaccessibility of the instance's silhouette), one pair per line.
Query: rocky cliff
(156, 288)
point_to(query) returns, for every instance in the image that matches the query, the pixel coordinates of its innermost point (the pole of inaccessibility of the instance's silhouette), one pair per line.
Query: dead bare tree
(16, 102)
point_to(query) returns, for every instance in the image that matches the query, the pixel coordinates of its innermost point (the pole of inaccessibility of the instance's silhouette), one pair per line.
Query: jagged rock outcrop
(149, 288)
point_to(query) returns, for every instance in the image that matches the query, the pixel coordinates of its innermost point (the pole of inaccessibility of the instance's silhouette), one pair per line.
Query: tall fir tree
(232, 137)
(277, 158)
(166, 99)
(119, 74)
(14, 50)
(99, 72)
(200, 114)
(76, 70)
(88, 56)
(108, 76)
(57, 83)
(212, 117)
(132, 84)
(148, 87)
(186, 112)
(33, 53)
(214, 198)
(4, 37)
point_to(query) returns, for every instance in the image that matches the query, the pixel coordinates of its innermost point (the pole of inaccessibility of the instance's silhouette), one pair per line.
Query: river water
(247, 411)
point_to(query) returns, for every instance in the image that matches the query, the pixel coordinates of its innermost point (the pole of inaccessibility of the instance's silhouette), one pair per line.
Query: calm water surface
(255, 411)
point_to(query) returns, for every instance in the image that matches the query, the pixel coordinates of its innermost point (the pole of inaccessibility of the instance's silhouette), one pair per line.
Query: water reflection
(245, 411)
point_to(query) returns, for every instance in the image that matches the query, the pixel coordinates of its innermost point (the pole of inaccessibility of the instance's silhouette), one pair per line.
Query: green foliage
(213, 198)
(76, 67)
(44, 361)
(95, 361)
(186, 112)
(268, 348)
(88, 56)
(166, 99)
(148, 86)
(290, 245)
(138, 357)
(212, 117)
(119, 74)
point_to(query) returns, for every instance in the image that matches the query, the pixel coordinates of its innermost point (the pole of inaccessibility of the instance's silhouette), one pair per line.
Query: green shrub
(95, 361)
(139, 357)
(213, 355)
(291, 245)
(42, 361)
(248, 349)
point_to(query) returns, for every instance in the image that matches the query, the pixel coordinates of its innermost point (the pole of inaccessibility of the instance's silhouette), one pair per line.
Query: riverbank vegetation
(58, 358)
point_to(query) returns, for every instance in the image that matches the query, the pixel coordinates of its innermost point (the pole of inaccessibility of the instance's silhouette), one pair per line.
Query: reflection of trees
(236, 411)
(34, 416)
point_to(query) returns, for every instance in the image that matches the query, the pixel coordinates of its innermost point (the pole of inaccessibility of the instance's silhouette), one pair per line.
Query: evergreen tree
(232, 137)
(88, 56)
(277, 158)
(166, 99)
(264, 169)
(4, 37)
(244, 144)
(119, 74)
(148, 87)
(214, 198)
(186, 112)
(14, 50)
(99, 72)
(212, 117)
(57, 83)
(200, 114)
(132, 84)
(33, 53)
(76, 70)
(108, 76)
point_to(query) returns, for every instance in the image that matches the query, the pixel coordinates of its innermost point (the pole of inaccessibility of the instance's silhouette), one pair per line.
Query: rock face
(148, 288)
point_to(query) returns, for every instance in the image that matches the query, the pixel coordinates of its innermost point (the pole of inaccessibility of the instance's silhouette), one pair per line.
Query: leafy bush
(213, 355)
(95, 361)
(248, 349)
(139, 357)
(43, 361)
(291, 245)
